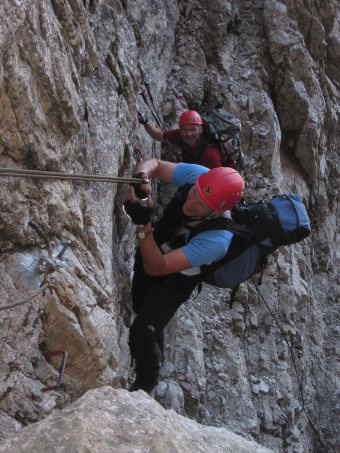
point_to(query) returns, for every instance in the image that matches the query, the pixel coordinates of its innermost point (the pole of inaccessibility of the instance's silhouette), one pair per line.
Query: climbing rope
(152, 109)
(304, 409)
(19, 172)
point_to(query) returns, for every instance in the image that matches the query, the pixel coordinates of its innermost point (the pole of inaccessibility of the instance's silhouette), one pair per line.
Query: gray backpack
(222, 129)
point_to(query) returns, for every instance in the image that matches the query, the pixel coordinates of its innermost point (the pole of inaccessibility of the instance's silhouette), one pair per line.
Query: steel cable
(18, 172)
(27, 299)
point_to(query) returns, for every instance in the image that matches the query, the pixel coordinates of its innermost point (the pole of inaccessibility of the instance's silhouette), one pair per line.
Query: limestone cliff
(70, 72)
(108, 420)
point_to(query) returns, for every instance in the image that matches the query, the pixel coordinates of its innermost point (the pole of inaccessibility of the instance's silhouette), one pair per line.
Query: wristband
(143, 234)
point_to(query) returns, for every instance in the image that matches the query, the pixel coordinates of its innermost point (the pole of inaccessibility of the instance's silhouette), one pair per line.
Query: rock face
(69, 74)
(108, 420)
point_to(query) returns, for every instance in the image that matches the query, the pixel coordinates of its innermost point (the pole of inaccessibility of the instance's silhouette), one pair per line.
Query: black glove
(136, 187)
(140, 215)
(142, 117)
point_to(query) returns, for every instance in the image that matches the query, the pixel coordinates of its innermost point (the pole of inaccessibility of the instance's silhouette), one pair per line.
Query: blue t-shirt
(208, 246)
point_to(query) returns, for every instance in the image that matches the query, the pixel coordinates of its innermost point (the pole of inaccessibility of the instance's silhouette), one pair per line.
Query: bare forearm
(155, 168)
(154, 133)
(148, 166)
(154, 262)
(153, 259)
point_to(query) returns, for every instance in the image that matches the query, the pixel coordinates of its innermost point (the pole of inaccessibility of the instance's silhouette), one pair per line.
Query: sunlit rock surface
(70, 73)
(113, 420)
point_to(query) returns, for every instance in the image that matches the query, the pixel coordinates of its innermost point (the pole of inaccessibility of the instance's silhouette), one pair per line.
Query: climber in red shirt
(189, 137)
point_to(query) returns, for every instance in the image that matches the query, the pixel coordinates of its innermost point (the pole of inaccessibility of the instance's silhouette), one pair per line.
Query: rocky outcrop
(108, 420)
(69, 76)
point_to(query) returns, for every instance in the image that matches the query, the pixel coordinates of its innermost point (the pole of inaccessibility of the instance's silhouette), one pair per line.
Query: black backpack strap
(263, 263)
(218, 223)
(232, 295)
(172, 216)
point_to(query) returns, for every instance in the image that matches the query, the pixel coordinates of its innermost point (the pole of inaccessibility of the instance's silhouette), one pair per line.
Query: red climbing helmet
(220, 188)
(190, 117)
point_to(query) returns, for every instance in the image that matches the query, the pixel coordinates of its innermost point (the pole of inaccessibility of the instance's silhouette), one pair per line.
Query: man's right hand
(139, 214)
(142, 117)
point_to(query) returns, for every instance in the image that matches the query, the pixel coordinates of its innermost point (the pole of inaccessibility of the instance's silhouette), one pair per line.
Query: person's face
(191, 133)
(195, 206)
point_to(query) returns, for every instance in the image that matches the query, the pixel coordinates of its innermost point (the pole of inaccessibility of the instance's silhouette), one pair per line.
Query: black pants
(155, 300)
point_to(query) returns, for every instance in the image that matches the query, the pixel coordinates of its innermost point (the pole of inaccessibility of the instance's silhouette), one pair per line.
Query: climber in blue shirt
(167, 266)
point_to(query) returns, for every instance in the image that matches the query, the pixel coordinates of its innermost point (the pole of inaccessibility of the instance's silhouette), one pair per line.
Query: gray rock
(69, 74)
(111, 420)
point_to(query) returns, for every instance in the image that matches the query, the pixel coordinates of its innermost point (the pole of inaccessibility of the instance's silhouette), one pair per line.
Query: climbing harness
(19, 172)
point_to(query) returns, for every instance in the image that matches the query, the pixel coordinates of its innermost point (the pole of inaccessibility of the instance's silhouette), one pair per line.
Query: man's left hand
(139, 214)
